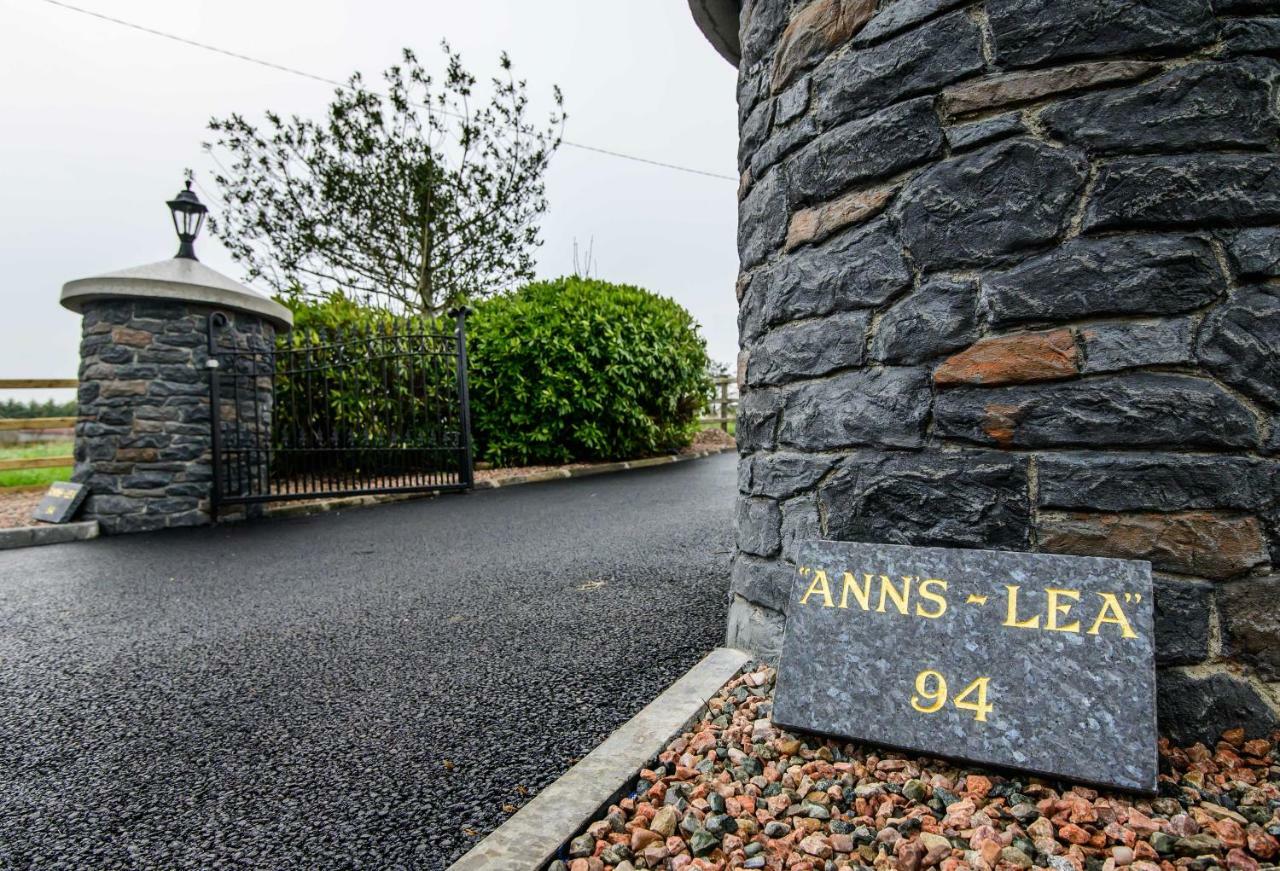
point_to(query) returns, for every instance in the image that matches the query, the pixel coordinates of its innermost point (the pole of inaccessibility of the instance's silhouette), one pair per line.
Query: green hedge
(564, 370)
(579, 369)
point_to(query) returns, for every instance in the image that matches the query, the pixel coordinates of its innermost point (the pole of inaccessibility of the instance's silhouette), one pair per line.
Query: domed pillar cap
(178, 279)
(718, 21)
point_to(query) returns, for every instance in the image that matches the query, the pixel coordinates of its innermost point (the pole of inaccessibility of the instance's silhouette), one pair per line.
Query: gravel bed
(736, 792)
(16, 507)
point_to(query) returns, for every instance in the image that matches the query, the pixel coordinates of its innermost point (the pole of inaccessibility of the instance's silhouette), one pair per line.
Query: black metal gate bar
(355, 414)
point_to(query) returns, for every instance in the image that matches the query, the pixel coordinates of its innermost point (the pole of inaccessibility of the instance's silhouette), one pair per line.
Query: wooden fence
(722, 407)
(34, 424)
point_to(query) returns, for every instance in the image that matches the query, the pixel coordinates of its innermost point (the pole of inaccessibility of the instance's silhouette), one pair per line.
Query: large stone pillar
(1009, 280)
(144, 437)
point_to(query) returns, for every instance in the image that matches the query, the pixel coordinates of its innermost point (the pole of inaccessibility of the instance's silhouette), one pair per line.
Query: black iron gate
(378, 411)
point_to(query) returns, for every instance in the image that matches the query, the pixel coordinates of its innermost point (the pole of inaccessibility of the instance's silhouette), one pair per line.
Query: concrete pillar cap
(718, 21)
(180, 280)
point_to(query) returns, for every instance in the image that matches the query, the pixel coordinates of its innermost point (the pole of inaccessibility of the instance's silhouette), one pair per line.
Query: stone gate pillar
(144, 436)
(1009, 280)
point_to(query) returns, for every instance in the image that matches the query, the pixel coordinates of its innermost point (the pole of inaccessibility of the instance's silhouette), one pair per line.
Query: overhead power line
(337, 84)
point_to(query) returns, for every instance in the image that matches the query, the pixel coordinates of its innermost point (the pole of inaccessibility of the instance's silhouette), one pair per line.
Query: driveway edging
(48, 533)
(534, 834)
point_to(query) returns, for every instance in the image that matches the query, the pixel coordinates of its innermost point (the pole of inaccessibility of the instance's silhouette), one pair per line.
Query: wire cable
(337, 84)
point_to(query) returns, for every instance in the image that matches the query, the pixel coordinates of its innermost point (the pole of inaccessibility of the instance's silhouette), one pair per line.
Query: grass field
(35, 477)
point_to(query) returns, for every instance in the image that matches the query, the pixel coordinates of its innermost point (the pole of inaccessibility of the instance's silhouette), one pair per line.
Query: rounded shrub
(578, 369)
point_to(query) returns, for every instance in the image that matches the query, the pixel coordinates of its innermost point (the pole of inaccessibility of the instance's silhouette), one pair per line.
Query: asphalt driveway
(365, 689)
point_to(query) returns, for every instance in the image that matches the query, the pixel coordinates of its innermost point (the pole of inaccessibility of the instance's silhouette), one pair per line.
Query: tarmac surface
(358, 689)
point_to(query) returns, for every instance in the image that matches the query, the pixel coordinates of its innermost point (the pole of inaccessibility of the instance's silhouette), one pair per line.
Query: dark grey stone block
(99, 506)
(878, 406)
(192, 339)
(754, 132)
(1113, 347)
(1099, 481)
(762, 220)
(1137, 274)
(761, 23)
(893, 18)
(171, 505)
(1245, 7)
(917, 62)
(800, 522)
(1251, 36)
(1183, 190)
(198, 490)
(858, 268)
(757, 422)
(753, 86)
(115, 354)
(155, 354)
(876, 146)
(89, 429)
(132, 523)
(1182, 620)
(873, 669)
(1195, 709)
(116, 416)
(782, 475)
(966, 136)
(1240, 342)
(1251, 622)
(1197, 107)
(751, 307)
(809, 348)
(953, 499)
(1032, 32)
(782, 143)
(160, 389)
(792, 102)
(980, 207)
(938, 318)
(758, 526)
(1255, 251)
(147, 481)
(755, 628)
(762, 582)
(1138, 410)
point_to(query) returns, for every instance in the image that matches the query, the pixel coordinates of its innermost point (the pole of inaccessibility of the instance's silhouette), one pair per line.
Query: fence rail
(24, 383)
(722, 408)
(33, 424)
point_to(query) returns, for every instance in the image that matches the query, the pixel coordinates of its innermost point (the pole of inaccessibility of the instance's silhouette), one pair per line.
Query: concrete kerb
(48, 533)
(533, 836)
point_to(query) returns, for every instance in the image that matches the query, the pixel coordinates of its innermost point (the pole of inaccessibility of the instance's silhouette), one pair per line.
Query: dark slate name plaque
(1031, 661)
(61, 503)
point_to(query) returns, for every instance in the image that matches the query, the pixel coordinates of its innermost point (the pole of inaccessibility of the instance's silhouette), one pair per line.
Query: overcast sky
(99, 122)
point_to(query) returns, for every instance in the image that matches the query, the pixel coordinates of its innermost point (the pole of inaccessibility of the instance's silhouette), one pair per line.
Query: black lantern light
(188, 217)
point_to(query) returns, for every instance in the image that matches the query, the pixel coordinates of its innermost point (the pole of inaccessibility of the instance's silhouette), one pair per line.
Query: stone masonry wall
(1010, 280)
(143, 439)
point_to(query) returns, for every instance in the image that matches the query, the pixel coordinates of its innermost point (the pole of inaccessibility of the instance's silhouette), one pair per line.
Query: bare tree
(412, 199)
